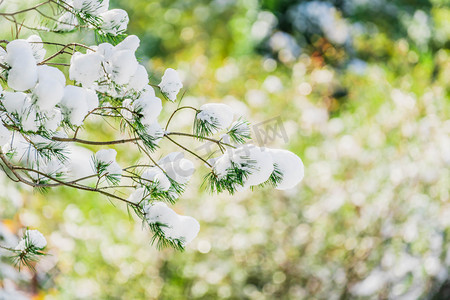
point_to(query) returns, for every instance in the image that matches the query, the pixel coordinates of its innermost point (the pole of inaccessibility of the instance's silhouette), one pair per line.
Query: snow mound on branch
(14, 102)
(262, 166)
(91, 7)
(139, 79)
(176, 227)
(149, 107)
(23, 73)
(290, 166)
(131, 43)
(32, 238)
(113, 70)
(76, 104)
(156, 175)
(124, 65)
(79, 162)
(155, 131)
(170, 84)
(86, 68)
(37, 46)
(50, 87)
(67, 22)
(108, 157)
(5, 135)
(137, 195)
(36, 238)
(115, 21)
(217, 114)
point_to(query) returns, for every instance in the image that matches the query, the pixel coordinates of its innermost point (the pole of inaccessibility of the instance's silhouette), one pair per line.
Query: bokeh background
(359, 89)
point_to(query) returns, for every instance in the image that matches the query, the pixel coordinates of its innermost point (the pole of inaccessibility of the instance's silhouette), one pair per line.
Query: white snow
(177, 227)
(171, 84)
(149, 106)
(5, 134)
(155, 131)
(50, 87)
(137, 195)
(155, 174)
(86, 68)
(92, 7)
(14, 102)
(36, 238)
(131, 43)
(108, 157)
(46, 72)
(263, 166)
(91, 99)
(29, 119)
(79, 162)
(67, 22)
(124, 65)
(139, 79)
(106, 50)
(291, 167)
(218, 114)
(115, 21)
(53, 119)
(221, 165)
(23, 73)
(37, 46)
(74, 104)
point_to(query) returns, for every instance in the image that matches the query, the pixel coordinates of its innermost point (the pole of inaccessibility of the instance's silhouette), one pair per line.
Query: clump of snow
(20, 104)
(37, 46)
(219, 115)
(241, 128)
(14, 102)
(5, 134)
(156, 175)
(67, 22)
(139, 79)
(149, 107)
(115, 21)
(53, 119)
(131, 43)
(290, 166)
(86, 68)
(91, 99)
(171, 84)
(23, 73)
(79, 162)
(74, 104)
(234, 158)
(50, 87)
(36, 238)
(176, 227)
(91, 7)
(155, 131)
(32, 238)
(113, 70)
(262, 165)
(137, 195)
(124, 65)
(108, 158)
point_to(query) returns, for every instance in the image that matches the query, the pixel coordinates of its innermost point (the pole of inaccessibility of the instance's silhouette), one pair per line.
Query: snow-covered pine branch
(42, 115)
